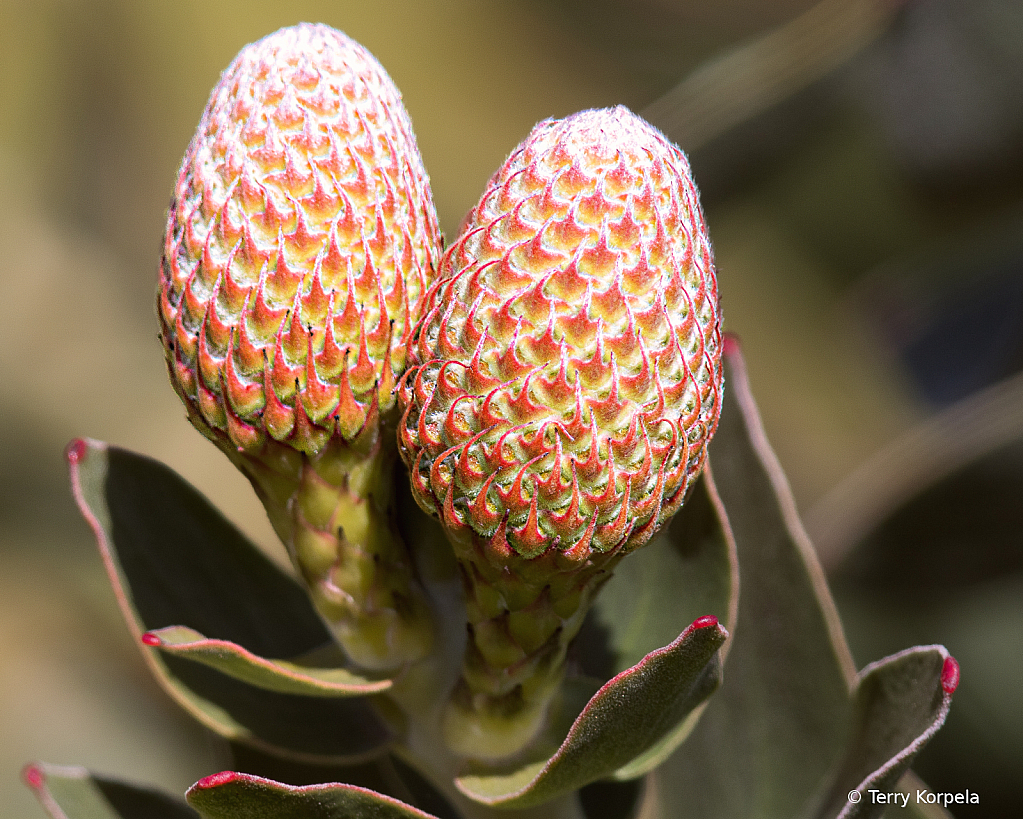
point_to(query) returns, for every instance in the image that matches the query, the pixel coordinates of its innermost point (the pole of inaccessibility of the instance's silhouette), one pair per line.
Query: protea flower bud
(300, 242)
(566, 381)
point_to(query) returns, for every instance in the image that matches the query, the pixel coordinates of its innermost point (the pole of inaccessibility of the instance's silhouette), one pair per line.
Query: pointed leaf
(173, 559)
(386, 774)
(780, 722)
(687, 571)
(74, 793)
(901, 702)
(273, 675)
(623, 719)
(792, 711)
(231, 795)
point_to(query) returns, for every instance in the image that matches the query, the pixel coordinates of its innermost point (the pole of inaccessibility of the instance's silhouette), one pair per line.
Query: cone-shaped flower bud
(300, 242)
(566, 380)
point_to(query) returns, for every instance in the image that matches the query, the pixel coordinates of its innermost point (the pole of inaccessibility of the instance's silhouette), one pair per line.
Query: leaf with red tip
(792, 710)
(230, 795)
(687, 573)
(628, 715)
(273, 675)
(74, 793)
(901, 702)
(779, 723)
(173, 560)
(688, 570)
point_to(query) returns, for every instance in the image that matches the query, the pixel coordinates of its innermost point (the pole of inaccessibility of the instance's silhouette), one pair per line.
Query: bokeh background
(861, 163)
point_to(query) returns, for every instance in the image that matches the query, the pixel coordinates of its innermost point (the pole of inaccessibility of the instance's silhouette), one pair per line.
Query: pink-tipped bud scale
(300, 242)
(566, 378)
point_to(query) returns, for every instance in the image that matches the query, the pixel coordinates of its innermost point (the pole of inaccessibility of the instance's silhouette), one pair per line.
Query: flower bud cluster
(557, 371)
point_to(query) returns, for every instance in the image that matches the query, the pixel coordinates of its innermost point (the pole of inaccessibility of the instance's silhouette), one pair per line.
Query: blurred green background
(861, 163)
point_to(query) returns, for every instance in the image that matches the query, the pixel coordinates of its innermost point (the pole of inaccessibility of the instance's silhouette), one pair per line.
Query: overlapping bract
(567, 369)
(300, 241)
(565, 381)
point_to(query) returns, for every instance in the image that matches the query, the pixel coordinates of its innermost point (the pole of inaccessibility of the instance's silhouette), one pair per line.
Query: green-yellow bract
(300, 242)
(566, 378)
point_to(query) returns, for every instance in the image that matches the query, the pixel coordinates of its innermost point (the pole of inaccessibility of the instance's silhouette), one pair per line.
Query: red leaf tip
(217, 779)
(151, 639)
(33, 777)
(75, 451)
(950, 675)
(707, 621)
